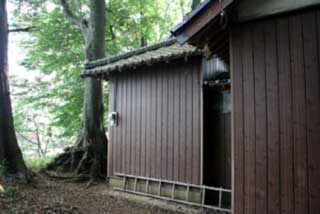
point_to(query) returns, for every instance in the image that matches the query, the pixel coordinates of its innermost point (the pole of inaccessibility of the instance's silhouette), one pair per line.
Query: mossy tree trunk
(89, 154)
(9, 149)
(93, 138)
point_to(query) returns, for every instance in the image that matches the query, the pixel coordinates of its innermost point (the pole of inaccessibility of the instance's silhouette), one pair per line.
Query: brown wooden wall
(159, 132)
(276, 120)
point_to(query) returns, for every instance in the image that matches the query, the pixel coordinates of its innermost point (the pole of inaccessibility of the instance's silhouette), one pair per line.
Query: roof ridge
(138, 51)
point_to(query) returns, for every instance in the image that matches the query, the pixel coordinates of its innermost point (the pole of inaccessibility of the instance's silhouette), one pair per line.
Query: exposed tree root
(20, 177)
(67, 179)
(91, 183)
(87, 163)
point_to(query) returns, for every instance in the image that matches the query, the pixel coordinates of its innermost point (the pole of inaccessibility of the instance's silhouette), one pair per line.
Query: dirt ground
(50, 196)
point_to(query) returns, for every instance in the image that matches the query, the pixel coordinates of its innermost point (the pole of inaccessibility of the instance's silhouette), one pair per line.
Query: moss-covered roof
(161, 52)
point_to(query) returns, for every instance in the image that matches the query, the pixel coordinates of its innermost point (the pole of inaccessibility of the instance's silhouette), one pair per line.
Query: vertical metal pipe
(160, 184)
(173, 191)
(220, 198)
(203, 196)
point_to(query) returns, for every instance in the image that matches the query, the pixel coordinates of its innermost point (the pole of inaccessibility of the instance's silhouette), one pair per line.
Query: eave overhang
(199, 18)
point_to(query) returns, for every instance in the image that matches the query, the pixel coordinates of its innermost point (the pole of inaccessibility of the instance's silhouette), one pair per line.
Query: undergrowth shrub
(37, 163)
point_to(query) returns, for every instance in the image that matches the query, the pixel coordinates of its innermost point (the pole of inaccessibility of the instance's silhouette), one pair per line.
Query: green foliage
(33, 119)
(54, 54)
(54, 51)
(130, 20)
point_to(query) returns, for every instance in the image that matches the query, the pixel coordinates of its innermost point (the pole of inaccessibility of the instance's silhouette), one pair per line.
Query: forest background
(46, 62)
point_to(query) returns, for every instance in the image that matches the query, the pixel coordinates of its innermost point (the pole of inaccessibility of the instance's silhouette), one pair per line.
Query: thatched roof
(161, 52)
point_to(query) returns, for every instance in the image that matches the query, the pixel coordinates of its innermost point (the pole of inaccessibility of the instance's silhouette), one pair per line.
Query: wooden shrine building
(165, 124)
(225, 116)
(273, 50)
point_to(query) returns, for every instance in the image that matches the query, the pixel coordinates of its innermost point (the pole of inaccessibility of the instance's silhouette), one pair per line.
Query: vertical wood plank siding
(196, 124)
(112, 107)
(276, 114)
(237, 120)
(159, 132)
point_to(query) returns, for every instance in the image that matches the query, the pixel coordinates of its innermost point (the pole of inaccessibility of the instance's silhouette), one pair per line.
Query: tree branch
(78, 21)
(25, 29)
(113, 35)
(27, 139)
(67, 11)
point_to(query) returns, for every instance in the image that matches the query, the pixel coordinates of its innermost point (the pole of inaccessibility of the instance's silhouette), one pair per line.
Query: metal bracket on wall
(174, 185)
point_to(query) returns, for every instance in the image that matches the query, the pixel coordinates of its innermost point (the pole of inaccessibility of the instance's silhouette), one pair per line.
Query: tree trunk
(195, 3)
(9, 149)
(93, 133)
(89, 155)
